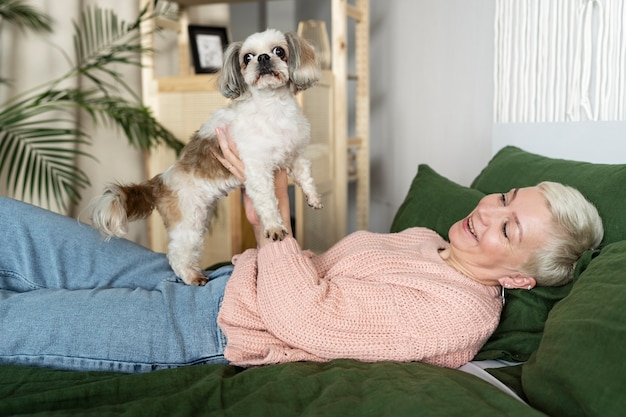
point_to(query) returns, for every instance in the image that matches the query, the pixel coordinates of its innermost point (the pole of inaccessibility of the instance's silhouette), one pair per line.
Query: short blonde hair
(577, 228)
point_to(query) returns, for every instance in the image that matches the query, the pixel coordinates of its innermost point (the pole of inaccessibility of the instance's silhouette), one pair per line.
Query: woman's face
(500, 234)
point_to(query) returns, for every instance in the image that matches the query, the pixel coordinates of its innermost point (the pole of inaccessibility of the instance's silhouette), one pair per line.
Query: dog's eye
(279, 52)
(247, 58)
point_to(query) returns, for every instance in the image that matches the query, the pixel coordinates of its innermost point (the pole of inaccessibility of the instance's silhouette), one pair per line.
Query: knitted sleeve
(356, 317)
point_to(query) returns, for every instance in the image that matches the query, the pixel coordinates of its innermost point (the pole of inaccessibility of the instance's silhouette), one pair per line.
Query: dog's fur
(261, 75)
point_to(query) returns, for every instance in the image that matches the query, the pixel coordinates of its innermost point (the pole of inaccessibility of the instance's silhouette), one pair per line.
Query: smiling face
(499, 236)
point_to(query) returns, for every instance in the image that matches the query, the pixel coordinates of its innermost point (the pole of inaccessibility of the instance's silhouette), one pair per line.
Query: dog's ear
(231, 81)
(304, 70)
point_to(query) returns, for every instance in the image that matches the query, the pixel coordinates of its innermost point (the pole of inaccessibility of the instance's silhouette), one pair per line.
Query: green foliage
(24, 16)
(38, 148)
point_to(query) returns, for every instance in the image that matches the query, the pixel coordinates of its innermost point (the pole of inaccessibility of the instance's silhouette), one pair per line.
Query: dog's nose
(263, 58)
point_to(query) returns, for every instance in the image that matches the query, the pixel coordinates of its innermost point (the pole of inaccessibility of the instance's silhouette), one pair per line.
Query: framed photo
(207, 47)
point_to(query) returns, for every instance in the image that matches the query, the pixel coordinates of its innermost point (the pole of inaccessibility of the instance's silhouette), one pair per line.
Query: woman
(69, 300)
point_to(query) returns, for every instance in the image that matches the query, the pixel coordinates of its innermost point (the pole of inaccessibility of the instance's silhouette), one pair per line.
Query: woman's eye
(247, 58)
(279, 52)
(505, 225)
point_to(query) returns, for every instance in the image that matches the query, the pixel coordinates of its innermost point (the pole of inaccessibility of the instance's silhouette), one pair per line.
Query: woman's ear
(518, 281)
(231, 81)
(304, 70)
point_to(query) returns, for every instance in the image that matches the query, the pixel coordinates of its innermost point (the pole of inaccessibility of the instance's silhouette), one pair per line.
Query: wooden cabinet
(184, 102)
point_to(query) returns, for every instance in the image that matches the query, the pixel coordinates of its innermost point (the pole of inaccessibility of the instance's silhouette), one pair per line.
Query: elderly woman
(69, 300)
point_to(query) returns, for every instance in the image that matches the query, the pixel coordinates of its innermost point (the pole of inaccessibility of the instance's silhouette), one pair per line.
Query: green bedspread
(340, 388)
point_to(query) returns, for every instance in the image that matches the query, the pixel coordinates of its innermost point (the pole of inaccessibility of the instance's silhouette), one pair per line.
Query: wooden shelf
(181, 83)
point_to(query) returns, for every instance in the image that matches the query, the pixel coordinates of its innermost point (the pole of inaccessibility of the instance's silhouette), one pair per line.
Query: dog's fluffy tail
(120, 204)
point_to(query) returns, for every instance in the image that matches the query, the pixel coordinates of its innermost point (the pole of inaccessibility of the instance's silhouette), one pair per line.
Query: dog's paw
(315, 204)
(198, 281)
(194, 278)
(277, 232)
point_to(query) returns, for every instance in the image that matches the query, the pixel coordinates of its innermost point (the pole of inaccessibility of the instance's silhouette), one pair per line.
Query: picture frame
(207, 47)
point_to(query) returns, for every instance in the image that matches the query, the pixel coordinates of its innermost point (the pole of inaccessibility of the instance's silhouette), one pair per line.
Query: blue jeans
(70, 300)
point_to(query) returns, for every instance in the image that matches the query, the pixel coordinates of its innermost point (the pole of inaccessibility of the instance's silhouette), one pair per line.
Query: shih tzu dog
(262, 76)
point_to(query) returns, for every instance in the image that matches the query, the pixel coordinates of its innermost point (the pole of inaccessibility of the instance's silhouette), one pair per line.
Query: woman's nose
(487, 210)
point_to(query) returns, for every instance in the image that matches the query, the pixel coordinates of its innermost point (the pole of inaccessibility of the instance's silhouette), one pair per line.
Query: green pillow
(435, 202)
(579, 368)
(602, 184)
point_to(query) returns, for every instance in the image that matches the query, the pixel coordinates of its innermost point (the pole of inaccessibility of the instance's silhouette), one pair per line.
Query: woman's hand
(230, 159)
(230, 155)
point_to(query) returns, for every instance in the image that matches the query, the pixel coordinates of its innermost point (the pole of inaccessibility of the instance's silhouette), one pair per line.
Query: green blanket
(339, 388)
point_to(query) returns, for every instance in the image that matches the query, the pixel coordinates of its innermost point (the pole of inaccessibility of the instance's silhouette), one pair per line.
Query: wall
(431, 93)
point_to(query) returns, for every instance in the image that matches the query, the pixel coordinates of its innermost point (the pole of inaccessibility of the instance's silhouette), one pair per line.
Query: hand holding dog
(229, 156)
(230, 159)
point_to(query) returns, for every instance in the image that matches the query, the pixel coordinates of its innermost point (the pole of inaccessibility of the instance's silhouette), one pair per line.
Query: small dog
(262, 76)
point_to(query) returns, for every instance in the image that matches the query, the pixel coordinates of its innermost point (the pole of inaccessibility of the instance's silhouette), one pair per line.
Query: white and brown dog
(261, 75)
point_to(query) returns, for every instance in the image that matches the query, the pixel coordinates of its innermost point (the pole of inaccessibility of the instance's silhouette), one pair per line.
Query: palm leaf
(102, 39)
(24, 16)
(39, 140)
(136, 121)
(37, 164)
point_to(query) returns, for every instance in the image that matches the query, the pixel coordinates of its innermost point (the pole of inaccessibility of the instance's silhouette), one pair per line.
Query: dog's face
(268, 60)
(263, 60)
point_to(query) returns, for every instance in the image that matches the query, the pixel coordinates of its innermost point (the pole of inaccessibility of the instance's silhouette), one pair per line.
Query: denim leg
(114, 329)
(70, 300)
(41, 249)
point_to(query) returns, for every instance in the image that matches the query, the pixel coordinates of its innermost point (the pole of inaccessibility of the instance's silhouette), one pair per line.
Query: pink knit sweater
(370, 297)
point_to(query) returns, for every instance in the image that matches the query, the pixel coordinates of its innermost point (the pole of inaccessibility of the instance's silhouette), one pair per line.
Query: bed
(557, 351)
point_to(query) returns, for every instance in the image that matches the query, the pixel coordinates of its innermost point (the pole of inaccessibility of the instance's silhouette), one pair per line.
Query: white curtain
(560, 60)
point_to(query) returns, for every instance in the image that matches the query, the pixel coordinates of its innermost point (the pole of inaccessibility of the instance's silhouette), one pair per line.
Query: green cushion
(579, 368)
(602, 184)
(435, 202)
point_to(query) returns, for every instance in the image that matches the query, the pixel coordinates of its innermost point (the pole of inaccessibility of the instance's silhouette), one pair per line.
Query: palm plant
(38, 149)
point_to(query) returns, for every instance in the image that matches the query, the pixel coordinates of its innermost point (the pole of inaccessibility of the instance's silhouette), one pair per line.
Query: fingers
(216, 153)
(226, 142)
(229, 156)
